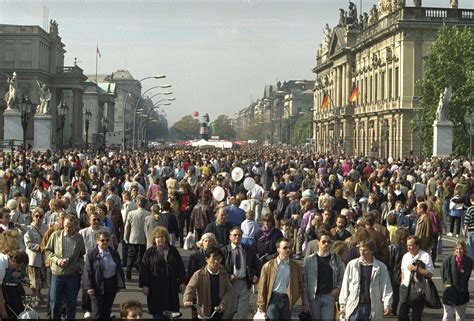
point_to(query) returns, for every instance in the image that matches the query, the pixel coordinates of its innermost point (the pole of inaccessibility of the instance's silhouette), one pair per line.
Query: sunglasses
(236, 234)
(95, 219)
(286, 247)
(38, 216)
(326, 242)
(104, 240)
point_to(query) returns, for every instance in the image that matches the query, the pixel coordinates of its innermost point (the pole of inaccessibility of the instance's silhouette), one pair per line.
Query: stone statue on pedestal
(10, 96)
(417, 3)
(442, 110)
(454, 4)
(44, 99)
(327, 38)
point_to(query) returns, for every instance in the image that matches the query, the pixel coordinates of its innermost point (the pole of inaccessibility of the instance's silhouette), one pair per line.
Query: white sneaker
(457, 235)
(449, 234)
(87, 315)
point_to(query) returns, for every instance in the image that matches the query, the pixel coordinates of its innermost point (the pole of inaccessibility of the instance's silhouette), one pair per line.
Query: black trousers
(102, 303)
(135, 253)
(454, 220)
(13, 299)
(184, 218)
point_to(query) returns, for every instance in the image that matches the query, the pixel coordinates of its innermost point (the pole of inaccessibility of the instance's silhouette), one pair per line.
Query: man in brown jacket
(210, 287)
(281, 284)
(424, 227)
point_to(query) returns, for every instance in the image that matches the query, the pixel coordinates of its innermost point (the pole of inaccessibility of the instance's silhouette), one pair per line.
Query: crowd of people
(345, 237)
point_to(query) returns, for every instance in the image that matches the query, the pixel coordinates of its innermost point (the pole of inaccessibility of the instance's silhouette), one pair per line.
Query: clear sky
(217, 54)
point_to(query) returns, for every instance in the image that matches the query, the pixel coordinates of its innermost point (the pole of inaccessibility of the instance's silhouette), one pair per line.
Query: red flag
(325, 102)
(355, 95)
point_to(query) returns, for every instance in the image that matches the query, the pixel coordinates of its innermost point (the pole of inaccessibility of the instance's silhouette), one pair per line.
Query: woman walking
(162, 274)
(455, 273)
(103, 276)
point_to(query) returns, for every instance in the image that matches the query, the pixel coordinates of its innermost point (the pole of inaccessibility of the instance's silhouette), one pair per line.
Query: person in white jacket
(366, 292)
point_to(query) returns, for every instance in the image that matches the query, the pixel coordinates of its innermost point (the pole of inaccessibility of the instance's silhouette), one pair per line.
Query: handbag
(259, 316)
(439, 246)
(431, 298)
(416, 289)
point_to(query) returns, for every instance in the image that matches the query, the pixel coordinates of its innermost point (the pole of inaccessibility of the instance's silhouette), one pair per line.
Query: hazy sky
(217, 54)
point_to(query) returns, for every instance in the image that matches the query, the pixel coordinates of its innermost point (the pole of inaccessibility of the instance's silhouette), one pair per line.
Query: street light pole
(136, 107)
(87, 117)
(126, 99)
(62, 111)
(25, 109)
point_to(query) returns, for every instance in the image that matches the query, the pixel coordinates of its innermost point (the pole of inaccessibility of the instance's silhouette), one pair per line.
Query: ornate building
(381, 54)
(38, 55)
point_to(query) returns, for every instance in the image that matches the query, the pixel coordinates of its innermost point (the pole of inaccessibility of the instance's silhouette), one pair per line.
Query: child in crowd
(131, 309)
(285, 228)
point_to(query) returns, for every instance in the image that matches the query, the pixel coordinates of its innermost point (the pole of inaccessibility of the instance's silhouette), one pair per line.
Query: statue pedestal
(43, 132)
(12, 126)
(442, 138)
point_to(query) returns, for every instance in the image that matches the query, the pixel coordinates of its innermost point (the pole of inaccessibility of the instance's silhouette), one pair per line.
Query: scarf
(265, 234)
(458, 260)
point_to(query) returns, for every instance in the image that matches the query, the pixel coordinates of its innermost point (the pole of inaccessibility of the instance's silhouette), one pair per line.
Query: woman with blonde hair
(197, 259)
(455, 274)
(162, 274)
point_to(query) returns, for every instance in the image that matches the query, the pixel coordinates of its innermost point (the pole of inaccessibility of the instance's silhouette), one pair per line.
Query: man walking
(134, 235)
(366, 292)
(281, 284)
(65, 250)
(242, 265)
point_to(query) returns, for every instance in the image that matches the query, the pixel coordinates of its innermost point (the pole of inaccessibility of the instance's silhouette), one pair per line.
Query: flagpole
(96, 61)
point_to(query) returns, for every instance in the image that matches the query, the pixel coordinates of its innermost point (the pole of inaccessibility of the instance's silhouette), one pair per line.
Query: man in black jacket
(242, 265)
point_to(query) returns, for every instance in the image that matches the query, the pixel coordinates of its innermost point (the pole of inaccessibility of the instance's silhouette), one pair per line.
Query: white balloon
(249, 183)
(237, 174)
(218, 193)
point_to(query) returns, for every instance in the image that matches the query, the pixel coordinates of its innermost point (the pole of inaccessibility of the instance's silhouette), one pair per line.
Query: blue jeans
(361, 313)
(322, 307)
(278, 308)
(60, 286)
(470, 244)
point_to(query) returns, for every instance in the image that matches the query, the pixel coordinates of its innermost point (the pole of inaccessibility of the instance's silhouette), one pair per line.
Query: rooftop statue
(444, 99)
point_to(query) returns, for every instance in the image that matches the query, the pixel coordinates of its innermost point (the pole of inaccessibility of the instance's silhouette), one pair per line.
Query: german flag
(355, 95)
(325, 102)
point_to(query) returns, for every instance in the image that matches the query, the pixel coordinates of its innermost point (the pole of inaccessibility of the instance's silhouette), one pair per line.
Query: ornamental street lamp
(87, 119)
(126, 99)
(62, 111)
(469, 119)
(25, 109)
(104, 121)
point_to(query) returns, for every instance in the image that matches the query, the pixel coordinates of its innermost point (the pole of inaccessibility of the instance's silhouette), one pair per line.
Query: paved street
(133, 292)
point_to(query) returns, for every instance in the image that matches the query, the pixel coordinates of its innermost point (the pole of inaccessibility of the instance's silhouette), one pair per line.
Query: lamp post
(87, 119)
(62, 111)
(469, 120)
(104, 121)
(25, 109)
(136, 107)
(126, 99)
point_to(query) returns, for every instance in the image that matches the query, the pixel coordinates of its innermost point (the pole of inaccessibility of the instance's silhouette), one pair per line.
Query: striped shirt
(469, 219)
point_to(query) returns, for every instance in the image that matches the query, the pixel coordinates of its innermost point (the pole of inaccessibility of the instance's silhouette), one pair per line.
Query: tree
(450, 62)
(222, 127)
(186, 128)
(252, 131)
(301, 129)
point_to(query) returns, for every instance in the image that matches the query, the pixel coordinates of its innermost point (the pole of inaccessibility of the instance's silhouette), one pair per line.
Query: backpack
(437, 227)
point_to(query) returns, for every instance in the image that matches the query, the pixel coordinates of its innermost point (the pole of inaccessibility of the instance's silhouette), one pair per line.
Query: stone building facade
(38, 55)
(381, 53)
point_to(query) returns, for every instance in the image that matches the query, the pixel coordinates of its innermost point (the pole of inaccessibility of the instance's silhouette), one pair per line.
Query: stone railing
(438, 14)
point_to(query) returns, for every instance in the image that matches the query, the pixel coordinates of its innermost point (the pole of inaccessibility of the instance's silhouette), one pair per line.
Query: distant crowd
(350, 238)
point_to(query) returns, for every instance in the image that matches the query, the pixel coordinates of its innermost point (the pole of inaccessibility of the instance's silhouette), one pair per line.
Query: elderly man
(65, 249)
(242, 265)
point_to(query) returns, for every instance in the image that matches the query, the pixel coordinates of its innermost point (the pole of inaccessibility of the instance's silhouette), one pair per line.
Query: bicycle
(216, 309)
(29, 313)
(171, 315)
